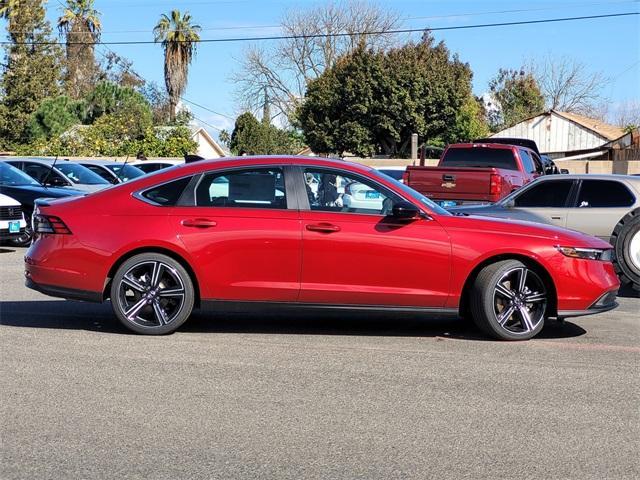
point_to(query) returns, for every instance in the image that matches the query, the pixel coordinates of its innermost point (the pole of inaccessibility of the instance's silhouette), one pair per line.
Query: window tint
(545, 194)
(479, 157)
(79, 174)
(527, 162)
(329, 191)
(9, 175)
(167, 194)
(151, 167)
(42, 173)
(604, 193)
(251, 188)
(99, 171)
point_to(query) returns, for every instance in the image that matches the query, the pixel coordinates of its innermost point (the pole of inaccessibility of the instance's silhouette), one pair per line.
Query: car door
(354, 253)
(242, 229)
(599, 206)
(545, 201)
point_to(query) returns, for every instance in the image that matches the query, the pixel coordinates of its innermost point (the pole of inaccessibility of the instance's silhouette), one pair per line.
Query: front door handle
(556, 218)
(323, 227)
(199, 222)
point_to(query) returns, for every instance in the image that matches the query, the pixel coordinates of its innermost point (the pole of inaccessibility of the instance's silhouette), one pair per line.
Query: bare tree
(317, 38)
(627, 115)
(568, 86)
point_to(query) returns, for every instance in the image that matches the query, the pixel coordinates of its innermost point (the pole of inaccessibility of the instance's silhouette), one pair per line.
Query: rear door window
(246, 188)
(549, 194)
(167, 194)
(479, 157)
(604, 193)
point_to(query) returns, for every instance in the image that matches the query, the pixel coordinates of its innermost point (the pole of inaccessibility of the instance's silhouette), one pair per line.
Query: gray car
(112, 171)
(606, 206)
(64, 174)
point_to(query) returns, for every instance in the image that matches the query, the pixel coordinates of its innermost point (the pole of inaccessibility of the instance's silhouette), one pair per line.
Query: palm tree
(179, 39)
(81, 25)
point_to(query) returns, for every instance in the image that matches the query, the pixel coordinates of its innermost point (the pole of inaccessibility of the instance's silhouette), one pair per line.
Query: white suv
(12, 222)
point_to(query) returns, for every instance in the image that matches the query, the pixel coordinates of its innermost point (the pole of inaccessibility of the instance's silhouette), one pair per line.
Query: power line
(429, 17)
(344, 34)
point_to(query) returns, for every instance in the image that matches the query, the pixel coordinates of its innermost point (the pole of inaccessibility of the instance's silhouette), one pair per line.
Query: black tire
(626, 230)
(506, 305)
(152, 294)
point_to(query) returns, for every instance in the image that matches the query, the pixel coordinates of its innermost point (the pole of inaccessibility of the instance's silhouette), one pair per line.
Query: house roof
(610, 132)
(196, 129)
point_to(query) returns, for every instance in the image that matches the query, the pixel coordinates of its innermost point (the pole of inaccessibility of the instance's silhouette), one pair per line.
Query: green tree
(55, 116)
(371, 102)
(31, 70)
(80, 23)
(107, 98)
(251, 137)
(179, 38)
(470, 122)
(517, 96)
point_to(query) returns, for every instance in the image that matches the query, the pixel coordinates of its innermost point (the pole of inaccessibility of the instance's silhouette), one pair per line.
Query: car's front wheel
(152, 294)
(509, 301)
(626, 241)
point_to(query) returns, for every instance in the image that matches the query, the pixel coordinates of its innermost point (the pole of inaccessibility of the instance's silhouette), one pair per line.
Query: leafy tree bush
(517, 95)
(371, 102)
(252, 137)
(55, 116)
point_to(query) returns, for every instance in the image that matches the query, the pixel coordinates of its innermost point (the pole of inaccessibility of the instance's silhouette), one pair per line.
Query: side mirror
(510, 204)
(564, 171)
(405, 211)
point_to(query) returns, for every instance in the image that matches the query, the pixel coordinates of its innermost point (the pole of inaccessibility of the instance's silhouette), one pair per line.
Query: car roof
(589, 176)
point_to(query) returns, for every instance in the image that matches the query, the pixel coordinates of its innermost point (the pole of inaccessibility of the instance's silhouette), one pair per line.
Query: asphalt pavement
(311, 397)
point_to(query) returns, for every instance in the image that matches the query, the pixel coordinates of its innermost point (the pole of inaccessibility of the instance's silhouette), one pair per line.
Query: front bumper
(605, 303)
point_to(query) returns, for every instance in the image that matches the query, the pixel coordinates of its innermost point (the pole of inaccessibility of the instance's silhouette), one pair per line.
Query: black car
(26, 190)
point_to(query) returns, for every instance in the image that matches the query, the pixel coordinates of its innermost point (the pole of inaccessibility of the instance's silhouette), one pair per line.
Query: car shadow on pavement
(72, 315)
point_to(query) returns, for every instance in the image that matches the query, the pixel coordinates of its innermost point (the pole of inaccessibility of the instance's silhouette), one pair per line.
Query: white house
(207, 146)
(561, 134)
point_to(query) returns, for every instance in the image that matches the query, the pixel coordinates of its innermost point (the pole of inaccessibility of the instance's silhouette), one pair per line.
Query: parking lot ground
(300, 396)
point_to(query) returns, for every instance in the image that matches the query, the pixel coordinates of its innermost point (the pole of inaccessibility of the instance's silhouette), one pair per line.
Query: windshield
(410, 192)
(11, 176)
(479, 157)
(125, 172)
(79, 174)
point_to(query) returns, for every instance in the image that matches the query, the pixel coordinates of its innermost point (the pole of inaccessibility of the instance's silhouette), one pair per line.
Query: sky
(610, 45)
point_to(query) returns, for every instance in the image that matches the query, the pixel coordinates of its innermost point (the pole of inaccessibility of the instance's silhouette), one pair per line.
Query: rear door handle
(556, 218)
(199, 223)
(323, 227)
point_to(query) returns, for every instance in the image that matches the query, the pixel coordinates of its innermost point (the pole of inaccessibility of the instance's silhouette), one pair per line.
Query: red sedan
(307, 232)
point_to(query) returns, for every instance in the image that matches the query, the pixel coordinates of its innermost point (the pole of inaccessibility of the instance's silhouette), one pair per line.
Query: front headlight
(602, 254)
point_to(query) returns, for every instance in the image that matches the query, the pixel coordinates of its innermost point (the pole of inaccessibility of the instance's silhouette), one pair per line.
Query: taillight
(496, 184)
(49, 224)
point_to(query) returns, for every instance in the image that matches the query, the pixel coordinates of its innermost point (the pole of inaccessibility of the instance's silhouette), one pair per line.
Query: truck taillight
(495, 184)
(49, 224)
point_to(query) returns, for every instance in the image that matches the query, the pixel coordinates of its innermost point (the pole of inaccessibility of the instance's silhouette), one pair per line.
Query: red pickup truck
(475, 173)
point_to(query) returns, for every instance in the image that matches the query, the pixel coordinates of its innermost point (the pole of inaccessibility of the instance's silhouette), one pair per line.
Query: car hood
(53, 192)
(522, 228)
(7, 201)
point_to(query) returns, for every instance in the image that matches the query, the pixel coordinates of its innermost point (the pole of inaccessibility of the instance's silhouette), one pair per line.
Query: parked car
(606, 206)
(20, 186)
(12, 223)
(112, 171)
(150, 166)
(63, 173)
(475, 173)
(394, 172)
(162, 247)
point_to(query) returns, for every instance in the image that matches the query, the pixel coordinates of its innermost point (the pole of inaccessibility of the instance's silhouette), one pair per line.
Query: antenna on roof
(46, 177)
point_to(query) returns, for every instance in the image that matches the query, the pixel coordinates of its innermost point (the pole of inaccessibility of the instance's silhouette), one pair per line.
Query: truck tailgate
(452, 183)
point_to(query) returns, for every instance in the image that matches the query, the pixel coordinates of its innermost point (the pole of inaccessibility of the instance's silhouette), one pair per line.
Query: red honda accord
(307, 232)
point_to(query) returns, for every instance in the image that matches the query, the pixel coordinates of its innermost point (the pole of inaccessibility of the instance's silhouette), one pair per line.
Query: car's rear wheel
(626, 241)
(152, 294)
(509, 301)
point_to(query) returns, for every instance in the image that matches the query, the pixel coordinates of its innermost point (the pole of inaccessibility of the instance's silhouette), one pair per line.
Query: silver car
(606, 206)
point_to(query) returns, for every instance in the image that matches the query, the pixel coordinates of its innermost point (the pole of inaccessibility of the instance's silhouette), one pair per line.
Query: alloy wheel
(634, 250)
(520, 301)
(151, 294)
